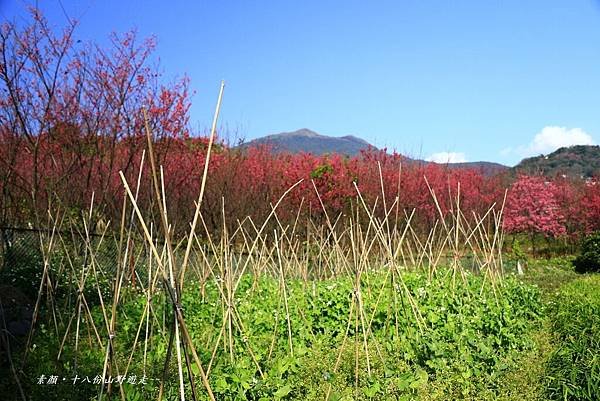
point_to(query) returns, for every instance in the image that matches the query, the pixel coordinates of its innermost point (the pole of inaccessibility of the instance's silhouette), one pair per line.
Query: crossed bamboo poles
(342, 247)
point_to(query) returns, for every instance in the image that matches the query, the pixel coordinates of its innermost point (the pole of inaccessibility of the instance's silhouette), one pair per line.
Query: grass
(567, 366)
(574, 366)
(549, 275)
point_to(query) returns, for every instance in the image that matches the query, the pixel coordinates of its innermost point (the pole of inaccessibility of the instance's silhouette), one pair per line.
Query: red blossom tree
(590, 206)
(71, 118)
(532, 207)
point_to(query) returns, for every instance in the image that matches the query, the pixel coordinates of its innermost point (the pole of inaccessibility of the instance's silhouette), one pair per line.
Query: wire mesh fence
(25, 251)
(39, 266)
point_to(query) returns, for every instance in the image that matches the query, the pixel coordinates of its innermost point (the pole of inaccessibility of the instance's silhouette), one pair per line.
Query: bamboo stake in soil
(202, 186)
(169, 288)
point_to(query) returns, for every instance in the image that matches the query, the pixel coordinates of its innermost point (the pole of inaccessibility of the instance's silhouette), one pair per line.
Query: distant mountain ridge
(486, 168)
(305, 140)
(579, 161)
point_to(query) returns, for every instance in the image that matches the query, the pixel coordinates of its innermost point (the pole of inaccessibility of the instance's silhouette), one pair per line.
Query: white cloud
(447, 157)
(551, 138)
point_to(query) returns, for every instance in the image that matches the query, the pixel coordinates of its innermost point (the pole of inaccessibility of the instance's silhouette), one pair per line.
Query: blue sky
(474, 80)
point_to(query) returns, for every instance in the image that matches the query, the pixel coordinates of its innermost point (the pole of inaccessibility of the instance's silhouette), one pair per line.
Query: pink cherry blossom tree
(532, 208)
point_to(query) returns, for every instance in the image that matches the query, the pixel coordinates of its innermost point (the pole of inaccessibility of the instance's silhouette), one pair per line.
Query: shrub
(589, 258)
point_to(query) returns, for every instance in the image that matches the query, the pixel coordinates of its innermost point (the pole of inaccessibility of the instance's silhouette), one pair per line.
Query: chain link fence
(24, 255)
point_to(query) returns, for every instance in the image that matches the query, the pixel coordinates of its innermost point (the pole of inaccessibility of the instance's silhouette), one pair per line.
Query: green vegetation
(549, 274)
(306, 320)
(574, 366)
(574, 161)
(426, 339)
(588, 259)
(377, 333)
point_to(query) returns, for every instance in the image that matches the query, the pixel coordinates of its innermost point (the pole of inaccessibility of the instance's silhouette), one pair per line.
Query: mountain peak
(305, 132)
(308, 141)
